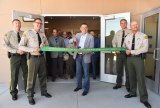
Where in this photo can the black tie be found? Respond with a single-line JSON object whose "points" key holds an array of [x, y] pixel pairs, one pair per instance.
{"points": [[133, 42], [56, 39], [40, 41], [18, 36], [123, 36]]}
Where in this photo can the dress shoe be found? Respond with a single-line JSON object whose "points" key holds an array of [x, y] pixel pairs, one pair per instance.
{"points": [[53, 79], [46, 95], [147, 104], [14, 97], [71, 77], [116, 87], [84, 93], [31, 100], [77, 89], [129, 96]]}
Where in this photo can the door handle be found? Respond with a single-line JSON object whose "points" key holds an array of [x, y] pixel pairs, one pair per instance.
{"points": [[155, 54]]}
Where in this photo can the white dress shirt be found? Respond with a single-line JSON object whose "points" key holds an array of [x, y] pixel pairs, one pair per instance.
{"points": [[82, 41]]}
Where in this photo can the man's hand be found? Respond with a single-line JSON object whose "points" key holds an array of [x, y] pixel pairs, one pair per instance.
{"points": [[36, 50], [42, 45], [69, 46], [20, 52], [118, 52], [128, 52]]}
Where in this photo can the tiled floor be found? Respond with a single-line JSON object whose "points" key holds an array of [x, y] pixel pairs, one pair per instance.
{"points": [[101, 95]]}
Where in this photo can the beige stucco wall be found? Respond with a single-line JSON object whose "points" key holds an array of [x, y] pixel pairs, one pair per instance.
{"points": [[136, 7]]}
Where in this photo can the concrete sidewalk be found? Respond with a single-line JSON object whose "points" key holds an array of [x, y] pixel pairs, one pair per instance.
{"points": [[101, 95]]}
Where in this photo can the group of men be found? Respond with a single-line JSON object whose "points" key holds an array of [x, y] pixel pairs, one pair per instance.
{"points": [[19, 44], [132, 59]]}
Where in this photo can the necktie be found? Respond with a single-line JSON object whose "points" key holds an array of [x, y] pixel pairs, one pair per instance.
{"points": [[133, 42], [123, 36], [56, 39], [40, 41], [18, 36]]}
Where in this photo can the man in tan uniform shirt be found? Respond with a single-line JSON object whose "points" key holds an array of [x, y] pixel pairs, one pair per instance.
{"points": [[136, 44], [31, 42], [17, 57]]}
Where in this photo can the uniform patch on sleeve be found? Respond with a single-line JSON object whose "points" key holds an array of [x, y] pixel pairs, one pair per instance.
{"points": [[25, 34], [145, 37]]}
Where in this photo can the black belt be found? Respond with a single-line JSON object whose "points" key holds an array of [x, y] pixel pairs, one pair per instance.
{"points": [[140, 55], [37, 56], [122, 52], [15, 54], [80, 54]]}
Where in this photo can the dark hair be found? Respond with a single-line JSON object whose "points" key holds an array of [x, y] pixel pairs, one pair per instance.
{"points": [[37, 19], [84, 24], [123, 20], [69, 33], [15, 20]]}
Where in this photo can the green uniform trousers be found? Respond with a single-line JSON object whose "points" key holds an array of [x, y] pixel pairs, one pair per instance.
{"points": [[17, 61], [36, 66], [70, 64], [121, 63], [136, 76]]}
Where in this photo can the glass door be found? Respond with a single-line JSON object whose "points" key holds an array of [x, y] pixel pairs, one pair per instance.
{"points": [[110, 24], [150, 26]]}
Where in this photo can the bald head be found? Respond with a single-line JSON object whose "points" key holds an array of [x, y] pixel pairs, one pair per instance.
{"points": [[134, 26]]}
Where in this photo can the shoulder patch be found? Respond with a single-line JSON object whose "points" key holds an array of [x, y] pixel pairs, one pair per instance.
{"points": [[8, 34], [25, 33], [145, 37]]}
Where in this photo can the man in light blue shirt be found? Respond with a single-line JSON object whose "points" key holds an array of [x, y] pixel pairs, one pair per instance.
{"points": [[83, 59]]}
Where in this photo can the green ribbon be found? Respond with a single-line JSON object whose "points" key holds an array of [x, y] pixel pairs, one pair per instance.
{"points": [[57, 49]]}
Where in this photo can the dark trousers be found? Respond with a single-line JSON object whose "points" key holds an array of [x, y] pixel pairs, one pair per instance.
{"points": [[17, 61], [70, 64], [37, 66], [121, 63], [136, 76], [57, 67], [95, 65]]}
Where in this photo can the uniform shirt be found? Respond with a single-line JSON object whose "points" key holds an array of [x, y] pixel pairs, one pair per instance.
{"points": [[117, 39], [141, 43], [82, 40], [10, 41], [29, 41]]}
